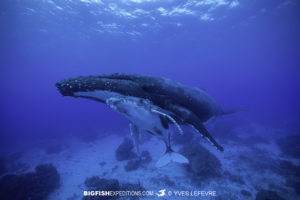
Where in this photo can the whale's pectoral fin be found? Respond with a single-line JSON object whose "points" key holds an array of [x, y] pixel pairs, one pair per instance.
{"points": [[170, 118], [190, 118], [134, 130], [204, 132], [181, 111]]}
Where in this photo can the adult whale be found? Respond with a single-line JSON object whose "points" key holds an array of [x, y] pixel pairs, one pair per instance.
{"points": [[187, 105]]}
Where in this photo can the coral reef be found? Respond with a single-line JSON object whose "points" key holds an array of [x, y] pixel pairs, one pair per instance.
{"points": [[125, 150], [290, 171], [203, 164], [290, 145], [234, 178], [35, 185], [13, 164], [145, 157], [246, 193], [115, 168], [141, 161], [258, 160], [132, 165], [261, 162], [268, 195], [287, 169], [294, 182], [163, 181]]}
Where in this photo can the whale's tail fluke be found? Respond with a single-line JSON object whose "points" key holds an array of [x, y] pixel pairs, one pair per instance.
{"points": [[171, 156]]}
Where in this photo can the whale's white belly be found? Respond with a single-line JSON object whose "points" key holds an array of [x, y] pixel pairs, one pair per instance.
{"points": [[145, 119]]}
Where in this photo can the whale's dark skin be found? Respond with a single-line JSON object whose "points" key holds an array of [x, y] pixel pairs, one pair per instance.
{"points": [[187, 105]]}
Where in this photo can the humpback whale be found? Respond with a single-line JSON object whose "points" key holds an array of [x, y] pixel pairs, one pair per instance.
{"points": [[143, 115], [186, 105]]}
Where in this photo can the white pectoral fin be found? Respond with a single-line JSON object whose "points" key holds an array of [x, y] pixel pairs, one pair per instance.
{"points": [[163, 161], [171, 157], [169, 117], [134, 130], [176, 157]]}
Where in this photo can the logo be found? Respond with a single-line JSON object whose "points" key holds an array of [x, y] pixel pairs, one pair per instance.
{"points": [[161, 193]]}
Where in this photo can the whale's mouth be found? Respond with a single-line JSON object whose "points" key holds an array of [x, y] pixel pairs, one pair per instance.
{"points": [[64, 88], [111, 102]]}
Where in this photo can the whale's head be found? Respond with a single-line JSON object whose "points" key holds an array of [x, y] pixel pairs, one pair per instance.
{"points": [[94, 87], [70, 87], [116, 103], [98, 88]]}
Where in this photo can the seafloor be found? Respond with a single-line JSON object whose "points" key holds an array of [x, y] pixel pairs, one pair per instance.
{"points": [[258, 163]]}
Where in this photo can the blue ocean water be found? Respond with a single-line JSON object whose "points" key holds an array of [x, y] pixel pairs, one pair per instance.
{"points": [[243, 53]]}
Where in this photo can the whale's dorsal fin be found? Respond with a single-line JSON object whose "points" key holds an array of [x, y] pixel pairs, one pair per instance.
{"points": [[170, 118]]}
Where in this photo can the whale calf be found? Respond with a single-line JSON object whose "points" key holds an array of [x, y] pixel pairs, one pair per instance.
{"points": [[186, 105], [143, 115]]}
